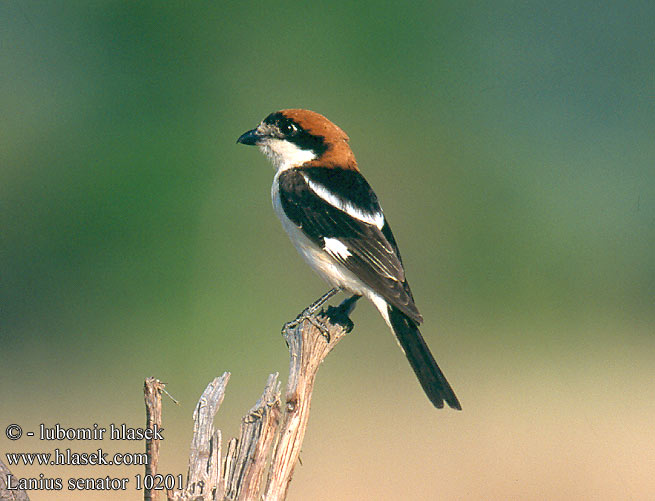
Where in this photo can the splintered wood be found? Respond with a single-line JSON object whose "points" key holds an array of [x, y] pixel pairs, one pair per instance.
{"points": [[259, 464]]}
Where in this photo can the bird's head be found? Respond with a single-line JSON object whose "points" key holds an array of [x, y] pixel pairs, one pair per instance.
{"points": [[294, 138]]}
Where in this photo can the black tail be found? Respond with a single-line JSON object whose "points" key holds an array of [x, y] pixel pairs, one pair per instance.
{"points": [[427, 371]]}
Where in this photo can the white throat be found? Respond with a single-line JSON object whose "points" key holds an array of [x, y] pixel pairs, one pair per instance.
{"points": [[285, 154]]}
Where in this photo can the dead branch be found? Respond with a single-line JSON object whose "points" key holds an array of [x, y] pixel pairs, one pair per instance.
{"points": [[259, 464], [152, 389], [9, 492]]}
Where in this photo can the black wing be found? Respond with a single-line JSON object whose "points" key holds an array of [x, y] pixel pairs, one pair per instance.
{"points": [[374, 256]]}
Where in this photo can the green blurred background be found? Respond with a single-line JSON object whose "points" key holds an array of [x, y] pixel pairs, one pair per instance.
{"points": [[512, 147]]}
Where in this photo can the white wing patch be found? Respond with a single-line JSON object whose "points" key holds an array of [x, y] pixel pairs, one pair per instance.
{"points": [[374, 218], [336, 248]]}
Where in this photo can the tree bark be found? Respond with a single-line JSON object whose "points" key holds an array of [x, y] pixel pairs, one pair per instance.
{"points": [[259, 464], [13, 494]]}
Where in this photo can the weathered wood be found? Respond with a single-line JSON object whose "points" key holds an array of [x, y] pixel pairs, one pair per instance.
{"points": [[13, 494], [309, 341], [152, 389], [260, 463], [203, 477], [251, 453]]}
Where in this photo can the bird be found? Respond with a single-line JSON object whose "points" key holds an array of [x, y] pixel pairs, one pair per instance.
{"points": [[335, 221]]}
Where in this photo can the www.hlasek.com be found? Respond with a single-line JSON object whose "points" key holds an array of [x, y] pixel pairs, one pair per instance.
{"points": [[68, 457]]}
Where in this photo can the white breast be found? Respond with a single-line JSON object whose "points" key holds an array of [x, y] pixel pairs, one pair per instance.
{"points": [[321, 261]]}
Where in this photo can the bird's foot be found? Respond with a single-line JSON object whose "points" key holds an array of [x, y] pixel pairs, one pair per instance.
{"points": [[312, 319], [341, 313], [309, 313]]}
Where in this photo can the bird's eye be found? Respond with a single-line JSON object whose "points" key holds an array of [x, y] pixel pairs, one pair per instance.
{"points": [[288, 128]]}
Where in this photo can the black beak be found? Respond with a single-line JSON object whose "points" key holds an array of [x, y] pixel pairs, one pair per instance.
{"points": [[250, 138]]}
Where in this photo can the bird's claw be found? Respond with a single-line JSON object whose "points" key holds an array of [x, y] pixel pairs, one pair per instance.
{"points": [[340, 313]]}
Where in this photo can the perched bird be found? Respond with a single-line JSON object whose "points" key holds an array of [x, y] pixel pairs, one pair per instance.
{"points": [[335, 221]]}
